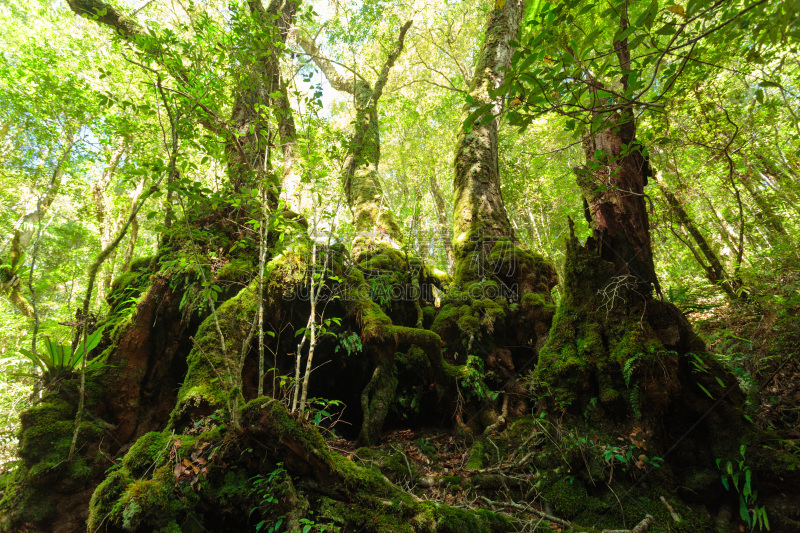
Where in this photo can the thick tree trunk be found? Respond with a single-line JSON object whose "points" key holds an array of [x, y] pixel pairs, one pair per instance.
{"points": [[479, 214], [477, 322], [612, 182]]}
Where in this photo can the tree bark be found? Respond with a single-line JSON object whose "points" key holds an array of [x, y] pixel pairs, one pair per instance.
{"points": [[479, 214], [373, 220], [612, 182], [714, 270], [444, 226]]}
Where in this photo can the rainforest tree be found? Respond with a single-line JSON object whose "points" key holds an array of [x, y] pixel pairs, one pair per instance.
{"points": [[327, 287]]}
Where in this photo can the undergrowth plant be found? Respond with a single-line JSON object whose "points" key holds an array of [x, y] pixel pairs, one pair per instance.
{"points": [[738, 474], [57, 361]]}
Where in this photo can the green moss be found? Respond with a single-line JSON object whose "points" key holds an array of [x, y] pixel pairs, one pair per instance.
{"points": [[365, 517], [476, 455], [130, 284], [469, 324], [207, 362], [520, 430], [567, 497], [359, 479], [446, 323], [281, 424], [22, 503], [367, 454], [397, 467], [235, 488], [46, 438], [428, 316], [238, 268], [147, 452], [105, 496], [532, 300]]}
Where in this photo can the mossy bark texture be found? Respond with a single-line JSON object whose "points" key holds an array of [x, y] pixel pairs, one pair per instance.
{"points": [[479, 212], [372, 217]]}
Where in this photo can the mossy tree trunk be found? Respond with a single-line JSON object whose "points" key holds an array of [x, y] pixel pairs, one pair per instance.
{"points": [[378, 239], [372, 217], [258, 77], [492, 339], [610, 332], [613, 344], [479, 214]]}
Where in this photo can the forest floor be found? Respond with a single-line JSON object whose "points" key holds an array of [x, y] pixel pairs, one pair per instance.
{"points": [[434, 465]]}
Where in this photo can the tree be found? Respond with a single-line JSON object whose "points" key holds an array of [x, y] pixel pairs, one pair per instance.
{"points": [[594, 404], [258, 83], [372, 217]]}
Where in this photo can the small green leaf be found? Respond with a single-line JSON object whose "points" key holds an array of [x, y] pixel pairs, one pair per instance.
{"points": [[706, 391]]}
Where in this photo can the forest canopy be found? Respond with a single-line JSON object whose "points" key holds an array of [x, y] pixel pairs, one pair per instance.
{"points": [[399, 266]]}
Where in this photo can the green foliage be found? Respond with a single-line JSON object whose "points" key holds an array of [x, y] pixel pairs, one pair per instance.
{"points": [[268, 490], [60, 360], [321, 410], [351, 342], [472, 380], [738, 475]]}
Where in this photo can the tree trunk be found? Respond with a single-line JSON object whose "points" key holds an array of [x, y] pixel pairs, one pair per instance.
{"points": [[444, 234], [714, 270], [372, 216], [766, 216], [107, 222], [722, 224], [613, 344], [24, 230], [477, 322], [247, 142], [479, 214]]}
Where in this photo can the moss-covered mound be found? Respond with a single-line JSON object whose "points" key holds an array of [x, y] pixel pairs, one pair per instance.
{"points": [[276, 471]]}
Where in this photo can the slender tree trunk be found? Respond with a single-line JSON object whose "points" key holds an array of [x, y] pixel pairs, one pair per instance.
{"points": [[766, 216], [443, 228], [372, 217], [10, 282], [715, 271], [106, 221], [722, 225], [129, 250]]}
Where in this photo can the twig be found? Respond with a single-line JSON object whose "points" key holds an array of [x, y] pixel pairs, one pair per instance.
{"points": [[541, 514], [675, 516], [641, 527]]}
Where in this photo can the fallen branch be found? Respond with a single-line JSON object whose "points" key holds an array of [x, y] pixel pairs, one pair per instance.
{"points": [[675, 516], [641, 527], [541, 514]]}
